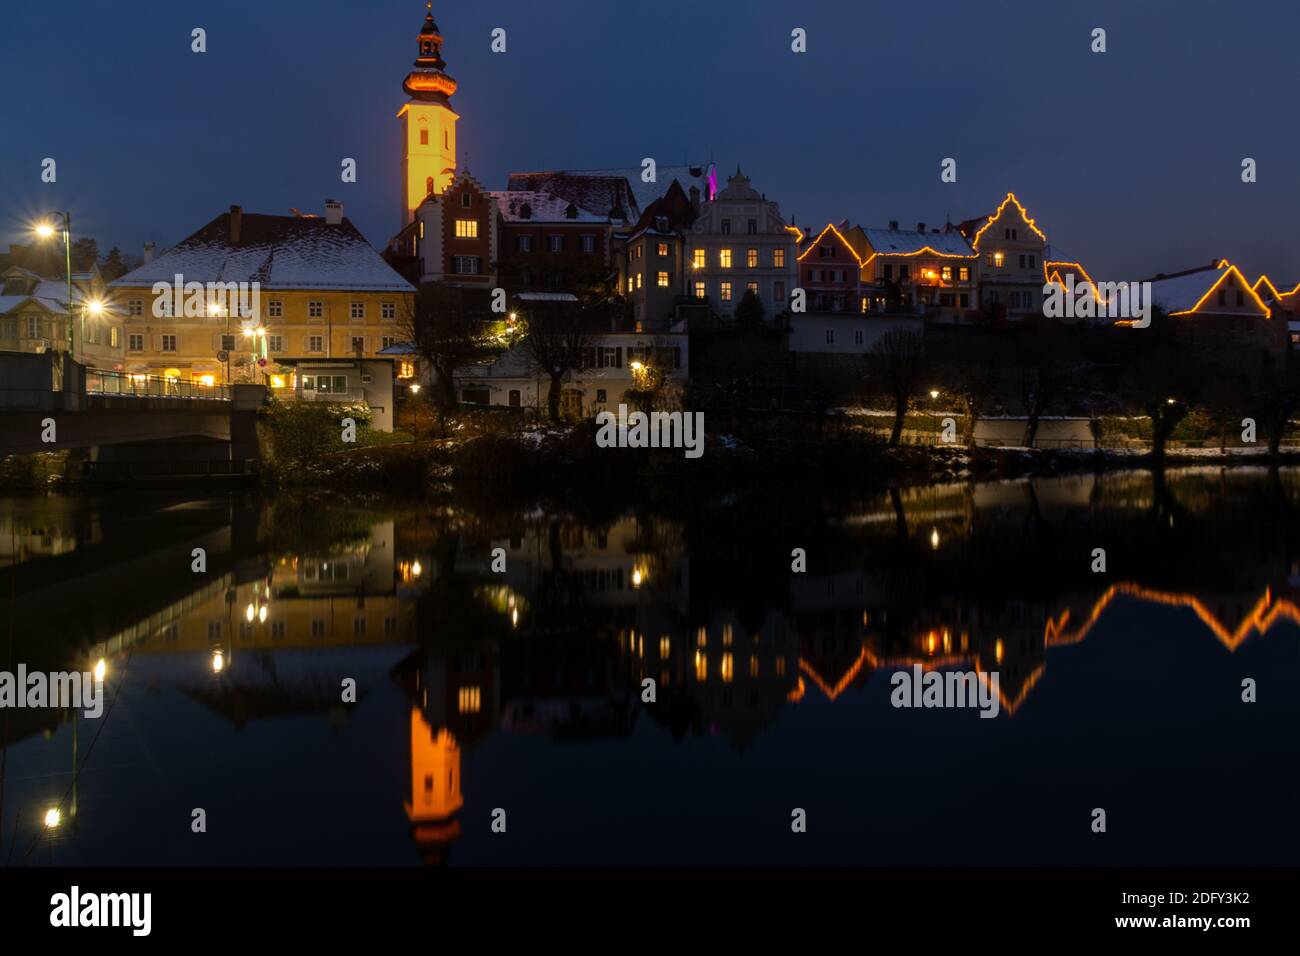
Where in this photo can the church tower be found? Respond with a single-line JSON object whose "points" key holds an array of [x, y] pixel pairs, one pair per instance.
{"points": [[428, 123]]}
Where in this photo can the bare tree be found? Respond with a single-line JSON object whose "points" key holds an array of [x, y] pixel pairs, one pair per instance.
{"points": [[559, 338], [1046, 361], [897, 365], [451, 328]]}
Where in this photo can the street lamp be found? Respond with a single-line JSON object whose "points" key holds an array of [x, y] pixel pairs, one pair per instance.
{"points": [[46, 230]]}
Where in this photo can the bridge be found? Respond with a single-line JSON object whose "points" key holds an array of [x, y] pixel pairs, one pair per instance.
{"points": [[48, 402]]}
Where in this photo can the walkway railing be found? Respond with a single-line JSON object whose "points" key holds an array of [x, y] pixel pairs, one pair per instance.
{"points": [[104, 382]]}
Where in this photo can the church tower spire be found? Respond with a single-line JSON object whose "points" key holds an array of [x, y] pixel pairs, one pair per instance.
{"points": [[428, 122]]}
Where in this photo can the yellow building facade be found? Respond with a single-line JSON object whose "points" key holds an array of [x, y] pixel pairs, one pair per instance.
{"points": [[428, 124]]}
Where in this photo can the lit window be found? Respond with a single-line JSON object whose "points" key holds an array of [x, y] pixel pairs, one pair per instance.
{"points": [[964, 274], [751, 258], [663, 280], [699, 290], [697, 258], [469, 700], [751, 287], [662, 249], [946, 273], [466, 228], [778, 258], [998, 259], [724, 292], [724, 258]]}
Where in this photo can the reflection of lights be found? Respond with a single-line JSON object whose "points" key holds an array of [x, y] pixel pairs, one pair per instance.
{"points": [[250, 612], [218, 662], [934, 393], [52, 817], [416, 569], [728, 668], [514, 617], [934, 538], [665, 646], [701, 666], [261, 614], [929, 644], [101, 668], [637, 577], [997, 651]]}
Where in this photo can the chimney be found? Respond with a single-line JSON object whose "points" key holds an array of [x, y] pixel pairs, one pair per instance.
{"points": [[695, 198], [333, 212], [236, 223], [920, 227], [148, 253], [893, 225]]}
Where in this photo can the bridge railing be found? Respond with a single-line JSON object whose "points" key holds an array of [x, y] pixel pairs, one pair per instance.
{"points": [[105, 382]]}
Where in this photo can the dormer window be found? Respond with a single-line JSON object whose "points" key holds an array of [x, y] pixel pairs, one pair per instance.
{"points": [[661, 223]]}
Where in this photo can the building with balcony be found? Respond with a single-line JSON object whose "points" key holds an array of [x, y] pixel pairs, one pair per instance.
{"points": [[930, 273]]}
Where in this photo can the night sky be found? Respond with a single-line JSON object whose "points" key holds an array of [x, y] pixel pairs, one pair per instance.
{"points": [[1130, 160]]}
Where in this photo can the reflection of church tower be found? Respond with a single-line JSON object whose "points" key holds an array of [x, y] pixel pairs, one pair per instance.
{"points": [[428, 123], [435, 789]]}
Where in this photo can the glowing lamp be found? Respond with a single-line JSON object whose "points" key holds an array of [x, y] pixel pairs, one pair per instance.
{"points": [[95, 307], [218, 662], [44, 231], [101, 668], [52, 817]]}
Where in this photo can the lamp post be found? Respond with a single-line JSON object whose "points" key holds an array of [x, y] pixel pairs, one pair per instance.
{"points": [[45, 230]]}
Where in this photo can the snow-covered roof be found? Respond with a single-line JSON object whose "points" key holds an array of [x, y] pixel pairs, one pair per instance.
{"points": [[1180, 293], [600, 190], [398, 348], [547, 297], [904, 241], [542, 207], [280, 252]]}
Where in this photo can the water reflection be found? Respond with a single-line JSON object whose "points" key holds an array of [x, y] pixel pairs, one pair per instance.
{"points": [[465, 631]]}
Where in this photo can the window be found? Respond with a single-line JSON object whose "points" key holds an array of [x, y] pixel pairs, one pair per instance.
{"points": [[902, 271], [630, 283], [467, 228], [169, 343], [33, 327], [515, 398], [555, 243], [778, 291], [600, 395], [387, 341], [662, 249], [889, 270], [329, 384], [523, 243], [830, 336], [751, 258], [607, 357], [826, 252], [778, 258], [638, 280], [275, 343], [964, 299], [424, 137], [275, 309], [964, 273], [663, 279], [358, 343], [724, 292], [135, 307], [726, 227], [1031, 261], [751, 227], [857, 336], [315, 343], [315, 309], [467, 265], [388, 310], [358, 310], [588, 243], [998, 259], [751, 287], [945, 273], [135, 342], [697, 258], [114, 337], [700, 291], [466, 200], [724, 258]]}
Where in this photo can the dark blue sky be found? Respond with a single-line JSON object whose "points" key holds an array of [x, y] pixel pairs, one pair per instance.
{"points": [[1130, 160]]}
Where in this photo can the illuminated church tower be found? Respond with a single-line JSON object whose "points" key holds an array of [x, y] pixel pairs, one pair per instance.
{"points": [[435, 789], [428, 123]]}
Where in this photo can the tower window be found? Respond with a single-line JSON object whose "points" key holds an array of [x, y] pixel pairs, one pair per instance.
{"points": [[444, 140], [424, 137]]}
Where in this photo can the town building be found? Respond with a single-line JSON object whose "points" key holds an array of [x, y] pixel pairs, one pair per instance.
{"points": [[343, 381], [246, 289], [549, 243], [35, 316], [739, 243], [1011, 250], [931, 273], [830, 272], [651, 260], [457, 232], [1223, 315]]}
